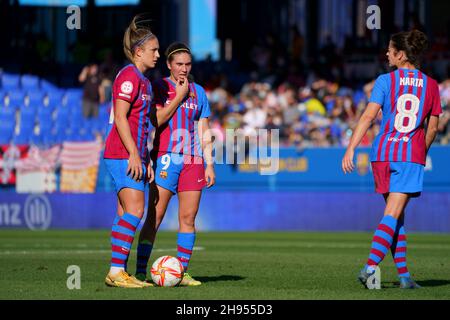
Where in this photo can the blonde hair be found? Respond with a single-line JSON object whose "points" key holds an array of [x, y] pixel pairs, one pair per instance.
{"points": [[135, 36]]}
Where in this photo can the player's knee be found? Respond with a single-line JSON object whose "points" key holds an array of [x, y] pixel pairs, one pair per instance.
{"points": [[188, 219], [136, 211]]}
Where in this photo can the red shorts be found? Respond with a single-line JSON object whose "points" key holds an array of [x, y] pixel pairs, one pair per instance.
{"points": [[179, 173]]}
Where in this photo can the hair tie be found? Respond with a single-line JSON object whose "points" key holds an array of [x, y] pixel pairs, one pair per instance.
{"points": [[176, 50], [141, 42]]}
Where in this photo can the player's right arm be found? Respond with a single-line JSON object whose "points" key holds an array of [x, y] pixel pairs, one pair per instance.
{"points": [[123, 128], [364, 123], [376, 101], [163, 114]]}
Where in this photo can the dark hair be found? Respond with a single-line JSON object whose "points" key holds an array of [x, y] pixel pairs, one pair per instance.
{"points": [[414, 43], [176, 47], [136, 35]]}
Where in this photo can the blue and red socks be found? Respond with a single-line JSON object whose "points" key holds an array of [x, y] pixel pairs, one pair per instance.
{"points": [[382, 240], [122, 237], [398, 250], [144, 250], [185, 244]]}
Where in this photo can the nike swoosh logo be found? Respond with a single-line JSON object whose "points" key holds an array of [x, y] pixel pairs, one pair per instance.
{"points": [[200, 180]]}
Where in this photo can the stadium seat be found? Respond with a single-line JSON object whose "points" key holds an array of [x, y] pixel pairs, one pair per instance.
{"points": [[27, 116], [75, 107], [47, 86], [34, 97], [10, 81], [36, 139], [7, 125], [21, 139], [15, 99], [73, 134], [73, 96], [62, 117], [29, 82], [54, 98]]}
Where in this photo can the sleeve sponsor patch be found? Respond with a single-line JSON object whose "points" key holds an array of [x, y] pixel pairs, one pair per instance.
{"points": [[126, 87], [124, 95]]}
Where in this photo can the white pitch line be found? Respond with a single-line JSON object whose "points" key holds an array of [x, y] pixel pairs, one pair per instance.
{"points": [[65, 251]]}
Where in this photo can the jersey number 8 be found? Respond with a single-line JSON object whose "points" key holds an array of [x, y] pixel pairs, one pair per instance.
{"points": [[403, 113]]}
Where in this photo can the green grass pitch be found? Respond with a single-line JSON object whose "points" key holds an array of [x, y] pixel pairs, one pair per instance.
{"points": [[257, 265]]}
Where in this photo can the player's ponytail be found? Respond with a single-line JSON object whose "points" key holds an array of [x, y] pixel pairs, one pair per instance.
{"points": [[135, 36], [174, 48], [414, 43]]}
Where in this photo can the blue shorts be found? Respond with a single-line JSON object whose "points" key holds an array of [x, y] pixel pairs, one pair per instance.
{"points": [[118, 170], [402, 177], [178, 173]]}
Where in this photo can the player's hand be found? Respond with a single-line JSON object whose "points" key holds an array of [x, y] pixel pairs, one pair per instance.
{"points": [[134, 168], [182, 87], [347, 162], [210, 176], [150, 173]]}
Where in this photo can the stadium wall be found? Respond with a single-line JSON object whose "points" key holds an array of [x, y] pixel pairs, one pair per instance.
{"points": [[231, 211], [309, 193]]}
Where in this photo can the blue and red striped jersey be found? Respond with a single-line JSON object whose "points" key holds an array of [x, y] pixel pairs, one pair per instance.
{"points": [[407, 98], [132, 86], [180, 135]]}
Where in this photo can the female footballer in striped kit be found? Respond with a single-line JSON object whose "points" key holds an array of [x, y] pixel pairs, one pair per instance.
{"points": [[408, 99], [126, 153], [179, 150]]}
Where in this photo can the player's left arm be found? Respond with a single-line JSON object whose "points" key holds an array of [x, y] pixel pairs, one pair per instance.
{"points": [[207, 146], [432, 129], [205, 139], [433, 119]]}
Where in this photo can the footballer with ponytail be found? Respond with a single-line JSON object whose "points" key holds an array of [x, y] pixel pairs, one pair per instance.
{"points": [[410, 104], [126, 155]]}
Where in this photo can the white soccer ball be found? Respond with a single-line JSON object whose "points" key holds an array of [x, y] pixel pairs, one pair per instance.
{"points": [[167, 271]]}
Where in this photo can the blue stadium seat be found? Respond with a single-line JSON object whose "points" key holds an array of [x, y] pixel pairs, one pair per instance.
{"points": [[10, 81], [7, 124], [15, 99], [21, 139], [59, 133], [47, 86], [5, 135], [29, 82], [73, 134], [75, 109], [27, 116], [7, 115], [54, 98], [62, 117], [73, 96], [2, 97], [36, 139], [35, 97]]}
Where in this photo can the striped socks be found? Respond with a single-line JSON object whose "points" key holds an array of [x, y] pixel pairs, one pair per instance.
{"points": [[185, 244], [144, 251], [122, 237], [398, 250], [382, 240]]}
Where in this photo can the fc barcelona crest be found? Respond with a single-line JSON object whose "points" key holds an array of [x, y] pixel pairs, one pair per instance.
{"points": [[163, 174]]}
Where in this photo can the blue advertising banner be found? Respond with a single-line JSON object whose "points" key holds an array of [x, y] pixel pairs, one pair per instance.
{"points": [[317, 169], [230, 211]]}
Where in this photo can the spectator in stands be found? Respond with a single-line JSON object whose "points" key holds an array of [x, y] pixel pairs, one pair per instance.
{"points": [[90, 78]]}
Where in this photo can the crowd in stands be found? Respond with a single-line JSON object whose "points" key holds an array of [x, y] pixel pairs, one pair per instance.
{"points": [[321, 114]]}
